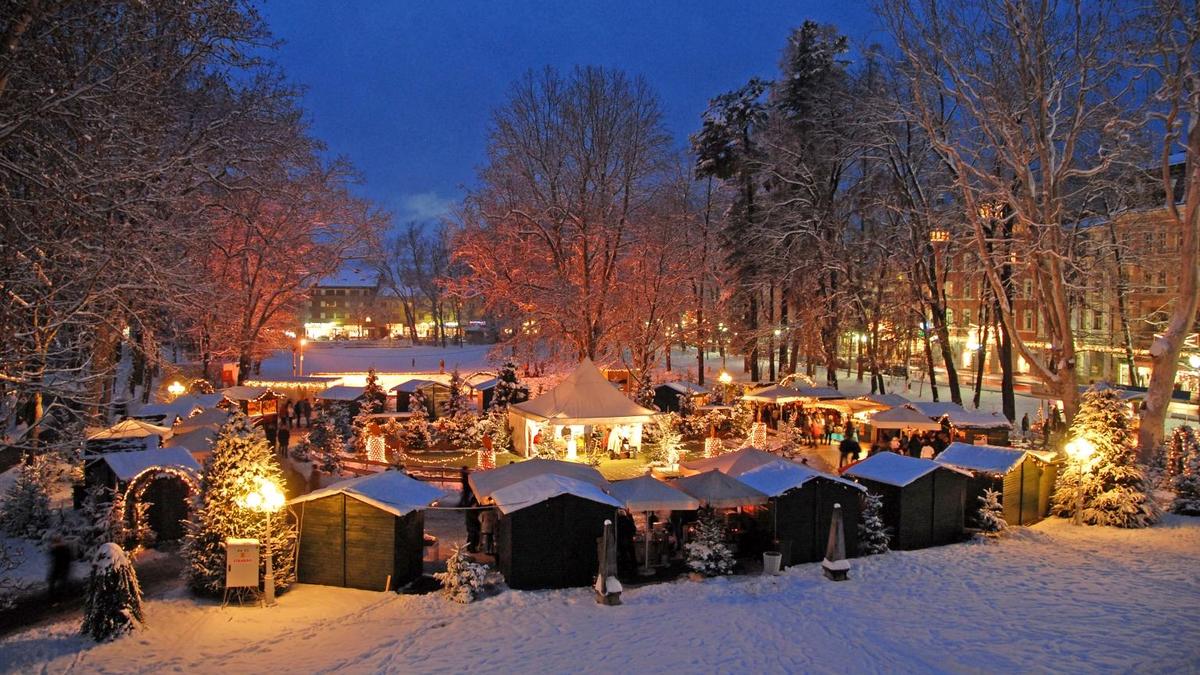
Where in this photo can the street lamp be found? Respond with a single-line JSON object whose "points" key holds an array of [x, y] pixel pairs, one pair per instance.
{"points": [[1194, 362], [175, 389], [264, 497], [1080, 450], [303, 341]]}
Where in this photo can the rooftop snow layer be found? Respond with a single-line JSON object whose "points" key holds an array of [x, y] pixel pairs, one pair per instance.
{"points": [[537, 489], [892, 469], [127, 465], [986, 458], [392, 491]]}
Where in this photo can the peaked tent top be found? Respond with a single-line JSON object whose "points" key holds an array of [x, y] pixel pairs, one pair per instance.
{"points": [[893, 469], [585, 397], [391, 491], [719, 490], [773, 393], [733, 463], [903, 417], [820, 392], [244, 393], [484, 483], [131, 428], [647, 493], [892, 400]]}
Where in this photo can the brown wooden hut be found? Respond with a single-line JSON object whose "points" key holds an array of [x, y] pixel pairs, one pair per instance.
{"points": [[923, 501], [1025, 481]]}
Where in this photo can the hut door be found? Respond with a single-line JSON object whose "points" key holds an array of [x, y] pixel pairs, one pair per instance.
{"points": [[167, 496]]}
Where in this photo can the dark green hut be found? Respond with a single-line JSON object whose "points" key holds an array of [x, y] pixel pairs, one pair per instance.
{"points": [[923, 501]]}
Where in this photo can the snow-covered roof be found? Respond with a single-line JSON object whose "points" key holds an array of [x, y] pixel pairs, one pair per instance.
{"points": [[484, 483], [986, 458], [1121, 392], [243, 393], [196, 439], [960, 416], [485, 384], [537, 489], [718, 490], [893, 469], [820, 392], [647, 493], [584, 397], [777, 477], [732, 463], [353, 276], [685, 387], [848, 405], [903, 417], [212, 418], [127, 465], [341, 392], [890, 400], [131, 428], [409, 386], [181, 408], [391, 491], [774, 393]]}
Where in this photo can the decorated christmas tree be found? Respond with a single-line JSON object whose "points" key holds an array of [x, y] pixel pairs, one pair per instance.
{"points": [[1187, 485], [666, 445], [991, 514], [508, 388], [102, 519], [463, 581], [457, 403], [873, 535], [240, 457], [113, 603], [25, 511], [496, 425], [374, 400], [1111, 486], [547, 444], [707, 553], [1182, 444]]}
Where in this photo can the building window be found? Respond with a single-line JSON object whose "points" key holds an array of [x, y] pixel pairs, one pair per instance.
{"points": [[1162, 279], [949, 317], [1027, 320], [1027, 288], [322, 316], [966, 317], [950, 288], [1097, 320]]}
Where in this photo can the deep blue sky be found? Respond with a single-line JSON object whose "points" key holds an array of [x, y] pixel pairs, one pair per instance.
{"points": [[405, 88]]}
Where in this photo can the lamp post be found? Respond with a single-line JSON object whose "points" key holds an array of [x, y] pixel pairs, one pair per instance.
{"points": [[302, 342], [725, 379], [266, 498], [1080, 450], [175, 389]]}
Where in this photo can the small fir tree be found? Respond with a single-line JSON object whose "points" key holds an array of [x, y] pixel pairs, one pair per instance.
{"points": [[687, 405], [645, 392], [25, 511], [496, 424], [113, 603], [332, 452], [457, 403], [1187, 485], [1113, 488], [667, 444], [374, 400], [464, 580], [417, 405], [102, 519], [508, 388], [873, 535], [548, 445], [240, 457], [707, 553], [991, 514]]}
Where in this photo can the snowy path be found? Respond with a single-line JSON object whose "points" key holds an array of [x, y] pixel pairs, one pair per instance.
{"points": [[1052, 598]]}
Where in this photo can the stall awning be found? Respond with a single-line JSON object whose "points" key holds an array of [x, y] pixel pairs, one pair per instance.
{"points": [[893, 469], [890, 400], [717, 490], [961, 417], [647, 493], [131, 428], [732, 463], [903, 418], [820, 392], [848, 405], [774, 393]]}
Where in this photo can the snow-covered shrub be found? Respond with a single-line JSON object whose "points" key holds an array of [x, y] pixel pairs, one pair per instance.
{"points": [[741, 419], [707, 553], [644, 396], [1182, 444], [25, 511], [102, 519], [1187, 485], [665, 443], [991, 514], [873, 535], [1113, 488], [463, 581], [240, 457], [414, 434], [113, 603]]}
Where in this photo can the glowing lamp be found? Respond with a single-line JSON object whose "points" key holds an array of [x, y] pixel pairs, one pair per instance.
{"points": [[725, 378], [176, 389], [1194, 362], [262, 496], [1080, 449], [939, 236]]}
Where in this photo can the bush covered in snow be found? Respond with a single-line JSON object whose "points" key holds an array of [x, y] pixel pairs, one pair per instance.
{"points": [[991, 514], [102, 519], [463, 581], [25, 511], [664, 443], [706, 552], [1187, 485], [113, 603], [873, 535]]}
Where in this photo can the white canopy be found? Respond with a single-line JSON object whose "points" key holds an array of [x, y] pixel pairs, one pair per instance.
{"points": [[484, 483], [985, 458], [131, 428], [686, 388], [960, 416], [341, 392], [890, 400], [720, 491], [647, 493], [584, 397], [732, 463], [781, 475], [127, 465], [893, 469], [244, 393], [820, 392], [903, 417], [537, 489], [848, 405], [774, 393], [391, 491]]}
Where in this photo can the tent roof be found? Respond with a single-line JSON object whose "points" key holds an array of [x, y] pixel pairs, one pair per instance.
{"points": [[391, 491], [647, 493], [341, 392], [986, 458], [127, 465], [685, 387], [820, 392], [409, 386], [781, 475], [960, 416], [212, 418], [773, 393], [849, 405], [890, 400], [893, 469], [245, 393], [131, 428], [584, 397], [719, 490], [903, 417], [732, 463], [537, 489], [484, 483], [485, 384], [195, 439]]}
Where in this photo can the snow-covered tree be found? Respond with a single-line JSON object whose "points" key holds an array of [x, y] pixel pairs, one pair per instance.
{"points": [[374, 400], [645, 392], [463, 581], [240, 457], [495, 423], [991, 514], [457, 403], [707, 552], [1183, 443], [549, 445], [508, 388], [873, 535], [102, 519], [113, 603], [1187, 485], [1113, 488], [417, 405], [666, 443], [25, 511]]}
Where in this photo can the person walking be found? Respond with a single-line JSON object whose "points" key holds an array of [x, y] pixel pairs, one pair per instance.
{"points": [[59, 572], [1025, 426], [284, 436], [287, 413], [272, 433], [307, 413]]}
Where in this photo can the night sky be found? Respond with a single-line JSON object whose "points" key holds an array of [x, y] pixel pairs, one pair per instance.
{"points": [[405, 88]]}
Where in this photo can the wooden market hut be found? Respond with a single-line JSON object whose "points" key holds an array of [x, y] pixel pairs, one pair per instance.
{"points": [[967, 425], [1024, 480], [341, 394], [482, 392], [923, 501], [547, 530], [801, 508], [668, 394], [164, 478], [366, 532], [436, 395], [260, 404]]}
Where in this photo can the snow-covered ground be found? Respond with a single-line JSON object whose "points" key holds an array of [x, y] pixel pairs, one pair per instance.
{"points": [[1051, 598]]}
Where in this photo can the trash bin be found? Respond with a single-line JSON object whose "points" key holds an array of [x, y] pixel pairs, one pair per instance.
{"points": [[771, 562]]}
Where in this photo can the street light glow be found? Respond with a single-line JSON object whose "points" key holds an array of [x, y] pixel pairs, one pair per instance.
{"points": [[724, 378], [1080, 449]]}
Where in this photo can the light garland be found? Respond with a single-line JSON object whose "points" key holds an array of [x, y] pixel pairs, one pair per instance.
{"points": [[376, 448], [135, 491], [713, 447], [758, 435]]}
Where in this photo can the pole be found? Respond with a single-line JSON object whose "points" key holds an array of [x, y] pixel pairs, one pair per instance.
{"points": [[301, 357], [269, 576], [1078, 519]]}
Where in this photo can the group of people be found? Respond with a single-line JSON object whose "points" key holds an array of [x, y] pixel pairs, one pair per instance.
{"points": [[927, 444], [291, 414], [481, 523]]}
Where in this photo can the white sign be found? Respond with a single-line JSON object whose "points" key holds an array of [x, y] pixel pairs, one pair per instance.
{"points": [[241, 563]]}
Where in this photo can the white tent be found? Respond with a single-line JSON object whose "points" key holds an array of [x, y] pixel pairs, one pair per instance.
{"points": [[777, 477], [647, 493], [718, 490], [127, 465], [820, 392], [131, 428], [732, 463], [890, 400], [903, 417], [537, 489], [391, 491], [484, 483], [774, 393], [584, 399]]}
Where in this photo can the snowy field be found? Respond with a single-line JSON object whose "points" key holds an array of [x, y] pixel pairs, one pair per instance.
{"points": [[1051, 598]]}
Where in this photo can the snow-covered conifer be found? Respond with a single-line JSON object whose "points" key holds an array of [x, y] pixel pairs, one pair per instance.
{"points": [[508, 388], [1187, 485], [25, 511], [417, 405], [991, 514], [549, 445], [1183, 443], [463, 581], [113, 603], [707, 552], [873, 535], [457, 403], [102, 519]]}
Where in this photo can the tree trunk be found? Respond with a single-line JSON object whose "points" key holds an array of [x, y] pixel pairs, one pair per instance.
{"points": [[1122, 309], [933, 390]]}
